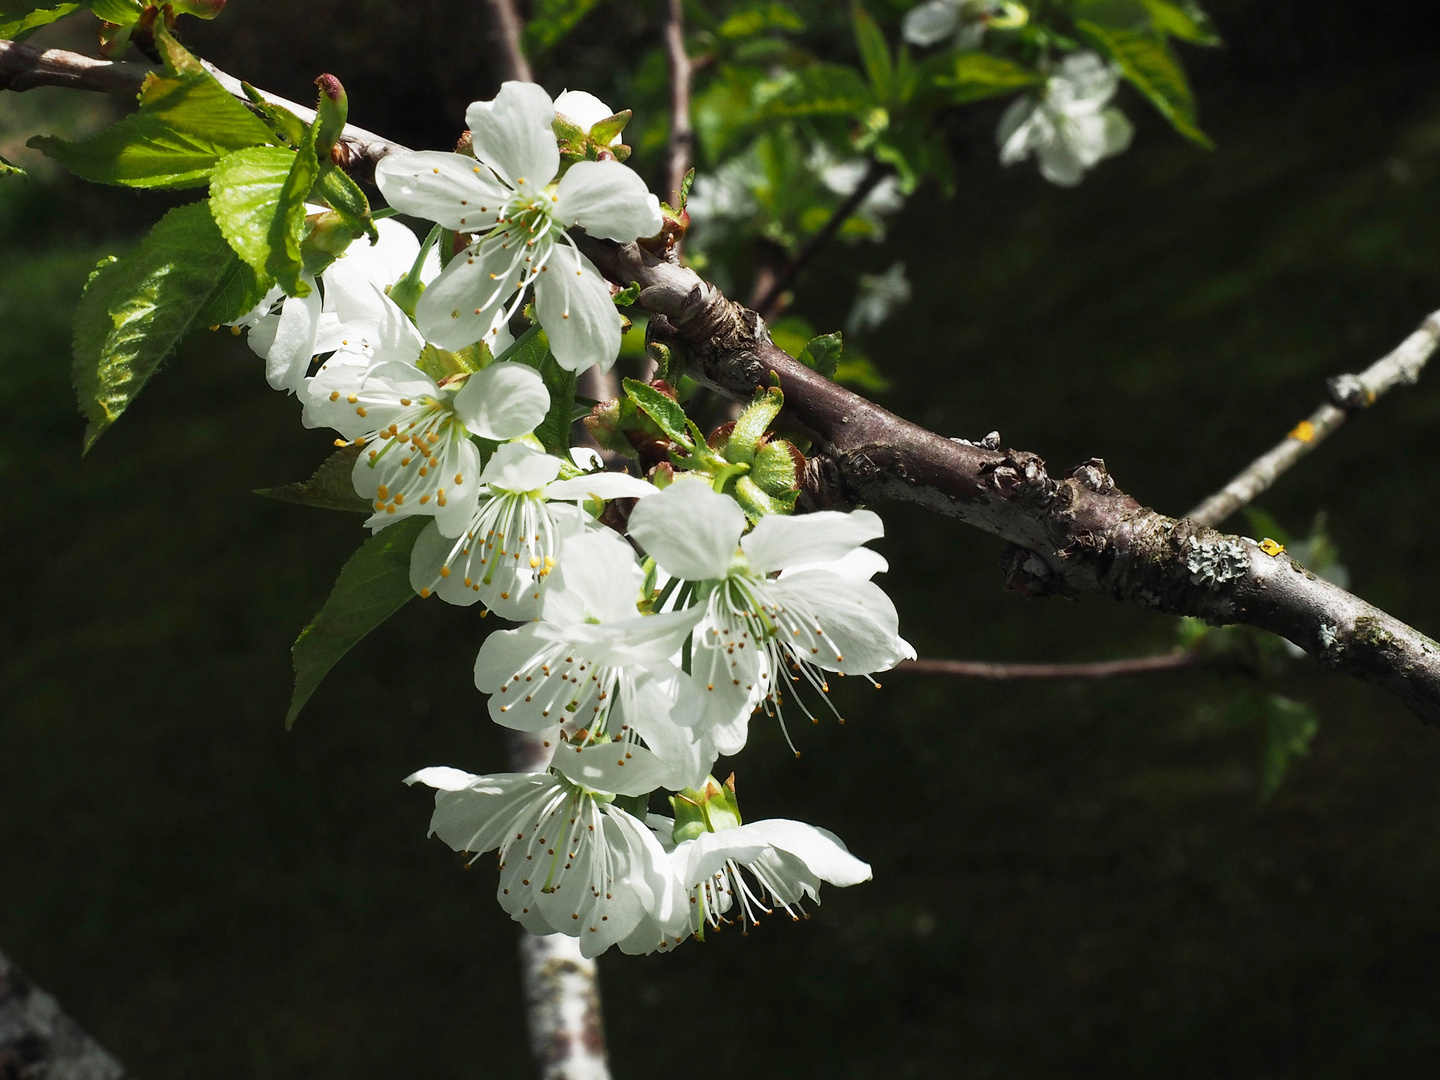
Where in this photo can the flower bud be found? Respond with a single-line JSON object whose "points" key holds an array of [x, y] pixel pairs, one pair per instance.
{"points": [[713, 808]]}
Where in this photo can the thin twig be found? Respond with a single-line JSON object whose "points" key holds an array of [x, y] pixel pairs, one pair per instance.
{"points": [[1084, 672], [505, 27], [1348, 394], [682, 135], [786, 275], [23, 67]]}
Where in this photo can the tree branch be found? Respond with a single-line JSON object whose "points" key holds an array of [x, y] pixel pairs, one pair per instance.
{"points": [[1083, 672], [25, 68], [1348, 394], [37, 1039], [562, 991], [505, 27], [1068, 537], [682, 136], [766, 303]]}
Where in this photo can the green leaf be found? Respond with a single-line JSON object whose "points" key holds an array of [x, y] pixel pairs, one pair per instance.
{"points": [[823, 353], [551, 20], [1182, 20], [257, 196], [758, 18], [972, 76], [19, 20], [123, 12], [861, 373], [287, 229], [373, 585], [7, 169], [665, 411], [874, 52], [818, 90], [1147, 62], [330, 487], [286, 126], [554, 430], [137, 308], [1289, 728], [628, 295], [186, 124]]}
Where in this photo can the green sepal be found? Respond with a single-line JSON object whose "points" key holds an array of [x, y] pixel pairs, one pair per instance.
{"points": [[603, 131], [137, 308], [287, 128], [343, 195], [712, 808], [442, 364], [372, 586], [752, 423], [326, 239], [330, 487], [332, 111], [774, 467], [285, 262], [758, 504], [664, 410]]}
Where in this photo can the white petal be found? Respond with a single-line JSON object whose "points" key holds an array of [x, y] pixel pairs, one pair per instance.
{"points": [[481, 815], [861, 628], [1118, 131], [608, 200], [1060, 164], [689, 530], [452, 190], [519, 467], [437, 566], [442, 777], [862, 564], [514, 135], [289, 356], [648, 704], [586, 458], [620, 768], [373, 324], [502, 401], [931, 22], [460, 307], [778, 541], [822, 852], [584, 110], [572, 302], [603, 486], [596, 579], [1017, 130]]}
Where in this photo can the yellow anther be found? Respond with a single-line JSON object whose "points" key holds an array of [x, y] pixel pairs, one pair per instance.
{"points": [[1304, 432], [1270, 547], [352, 399], [360, 410], [334, 395], [444, 571], [424, 592]]}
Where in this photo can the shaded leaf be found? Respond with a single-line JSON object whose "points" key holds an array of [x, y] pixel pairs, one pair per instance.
{"points": [[1147, 62], [823, 353], [372, 586], [1182, 20], [554, 430], [874, 52], [330, 487], [137, 308], [551, 20], [664, 410], [19, 20], [818, 90], [1290, 726], [972, 76]]}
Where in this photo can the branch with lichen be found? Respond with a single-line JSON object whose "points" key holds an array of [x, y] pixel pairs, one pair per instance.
{"points": [[1073, 536]]}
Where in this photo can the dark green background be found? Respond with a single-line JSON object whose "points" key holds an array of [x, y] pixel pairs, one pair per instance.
{"points": [[1069, 880]]}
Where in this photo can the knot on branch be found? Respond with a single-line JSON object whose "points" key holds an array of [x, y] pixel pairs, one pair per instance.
{"points": [[1020, 477], [1027, 573], [1350, 393]]}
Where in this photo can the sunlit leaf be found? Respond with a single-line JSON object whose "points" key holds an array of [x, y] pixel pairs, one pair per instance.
{"points": [[1147, 62]]}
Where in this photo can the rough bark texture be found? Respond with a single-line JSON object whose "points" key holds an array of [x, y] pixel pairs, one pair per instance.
{"points": [[39, 1042], [1071, 536]]}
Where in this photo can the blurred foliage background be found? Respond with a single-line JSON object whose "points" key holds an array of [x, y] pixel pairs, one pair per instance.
{"points": [[1070, 880]]}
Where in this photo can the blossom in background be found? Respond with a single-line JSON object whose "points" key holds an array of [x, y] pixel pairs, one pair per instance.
{"points": [[513, 539], [593, 662], [879, 296], [1066, 126], [965, 21], [584, 110], [506, 195], [571, 860], [418, 457], [822, 613], [752, 866], [288, 332]]}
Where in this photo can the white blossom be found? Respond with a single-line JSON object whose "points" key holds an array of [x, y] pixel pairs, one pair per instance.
{"points": [[878, 297], [822, 613], [418, 456], [773, 862], [571, 860], [514, 536], [1066, 126], [964, 21], [508, 197], [593, 662]]}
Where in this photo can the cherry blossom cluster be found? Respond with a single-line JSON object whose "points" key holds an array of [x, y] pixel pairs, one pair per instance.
{"points": [[640, 657]]}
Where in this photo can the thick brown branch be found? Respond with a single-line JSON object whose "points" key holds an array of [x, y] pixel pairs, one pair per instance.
{"points": [[505, 27], [786, 275], [1072, 536], [1083, 672], [25, 68], [682, 136], [1348, 394]]}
